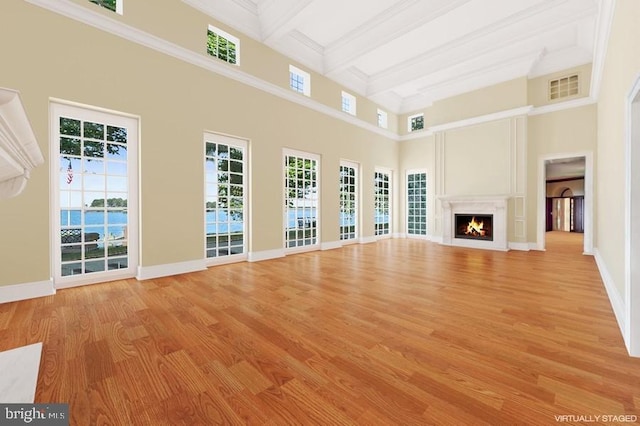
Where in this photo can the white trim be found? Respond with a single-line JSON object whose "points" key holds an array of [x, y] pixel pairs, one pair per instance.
{"points": [[259, 256], [435, 238], [15, 292], [398, 235], [500, 115], [225, 260], [615, 298], [331, 245], [588, 198], [562, 106], [519, 246], [603, 30], [367, 240], [159, 271]]}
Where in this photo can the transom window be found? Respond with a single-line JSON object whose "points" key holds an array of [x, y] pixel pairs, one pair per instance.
{"points": [[301, 199], [348, 200], [415, 122], [223, 45], [112, 5], [348, 103], [383, 120], [299, 81], [225, 204], [417, 203], [382, 200], [95, 204]]}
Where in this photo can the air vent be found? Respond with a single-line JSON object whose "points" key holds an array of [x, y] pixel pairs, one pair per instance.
{"points": [[563, 87]]}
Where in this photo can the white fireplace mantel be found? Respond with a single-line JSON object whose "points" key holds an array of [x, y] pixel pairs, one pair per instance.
{"points": [[495, 205]]}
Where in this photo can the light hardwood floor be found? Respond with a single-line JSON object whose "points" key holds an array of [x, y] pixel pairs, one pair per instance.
{"points": [[396, 332]]}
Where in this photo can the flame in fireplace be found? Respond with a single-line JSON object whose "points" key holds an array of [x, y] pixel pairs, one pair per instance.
{"points": [[475, 229]]}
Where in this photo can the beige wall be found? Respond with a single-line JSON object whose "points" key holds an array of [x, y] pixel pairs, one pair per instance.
{"points": [[622, 67], [538, 88], [177, 102], [500, 97]]}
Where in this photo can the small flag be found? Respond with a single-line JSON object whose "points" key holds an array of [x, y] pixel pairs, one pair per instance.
{"points": [[69, 174]]}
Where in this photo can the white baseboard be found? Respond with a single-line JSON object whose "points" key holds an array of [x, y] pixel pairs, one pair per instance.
{"points": [[331, 245], [158, 271], [399, 235], [436, 239], [519, 246], [368, 240], [615, 298], [15, 292], [259, 256]]}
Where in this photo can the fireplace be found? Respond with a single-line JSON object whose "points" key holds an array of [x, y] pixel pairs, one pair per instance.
{"points": [[474, 226], [475, 221]]}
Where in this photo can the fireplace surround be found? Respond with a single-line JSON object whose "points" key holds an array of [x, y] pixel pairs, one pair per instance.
{"points": [[492, 210]]}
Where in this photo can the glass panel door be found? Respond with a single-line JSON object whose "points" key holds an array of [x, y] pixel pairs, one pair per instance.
{"points": [[301, 199], [348, 201], [382, 194], [417, 203], [96, 222], [225, 204]]}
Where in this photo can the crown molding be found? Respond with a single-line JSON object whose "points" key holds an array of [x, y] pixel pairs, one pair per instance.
{"points": [[561, 106], [115, 27], [603, 30]]}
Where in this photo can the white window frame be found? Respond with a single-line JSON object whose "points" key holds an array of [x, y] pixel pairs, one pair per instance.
{"points": [[407, 203], [119, 6], [59, 108], [229, 37], [286, 152], [383, 119], [388, 172], [306, 80], [230, 141], [348, 103], [356, 167], [410, 119]]}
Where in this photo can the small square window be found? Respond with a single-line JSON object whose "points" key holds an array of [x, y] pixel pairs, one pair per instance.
{"points": [[223, 45], [299, 81], [383, 120], [348, 103], [415, 122], [112, 5]]}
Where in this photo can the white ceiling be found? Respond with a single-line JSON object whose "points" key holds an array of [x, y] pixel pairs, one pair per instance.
{"points": [[406, 54], [565, 168]]}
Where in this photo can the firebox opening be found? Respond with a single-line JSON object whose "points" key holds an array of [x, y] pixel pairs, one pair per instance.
{"points": [[474, 226]]}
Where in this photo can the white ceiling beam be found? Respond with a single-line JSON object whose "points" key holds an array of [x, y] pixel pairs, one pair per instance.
{"points": [[391, 23], [277, 18], [448, 54]]}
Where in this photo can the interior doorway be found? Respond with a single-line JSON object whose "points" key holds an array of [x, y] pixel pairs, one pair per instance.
{"points": [[565, 197]]}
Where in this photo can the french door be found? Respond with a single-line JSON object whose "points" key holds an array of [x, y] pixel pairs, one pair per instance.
{"points": [[94, 195]]}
